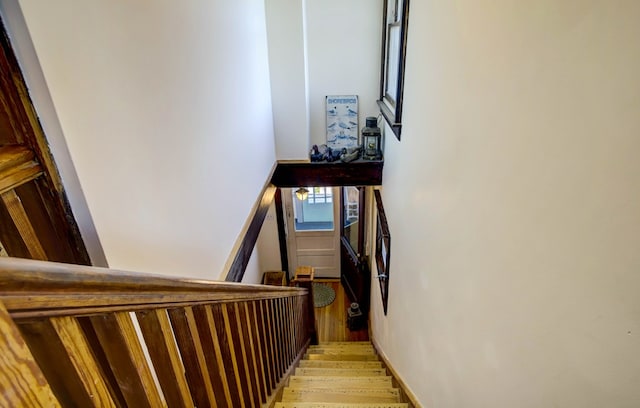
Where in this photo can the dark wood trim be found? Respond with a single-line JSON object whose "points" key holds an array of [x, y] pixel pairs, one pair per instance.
{"points": [[361, 210], [396, 127], [394, 117], [29, 133], [282, 235], [241, 260], [356, 173], [383, 237], [347, 251]]}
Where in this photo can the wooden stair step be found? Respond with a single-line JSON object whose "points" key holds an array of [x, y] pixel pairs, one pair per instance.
{"points": [[340, 395], [342, 357], [348, 343], [339, 382], [341, 405], [341, 372], [349, 350], [340, 364], [343, 345]]}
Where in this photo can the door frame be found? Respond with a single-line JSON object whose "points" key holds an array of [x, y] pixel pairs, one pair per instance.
{"points": [[292, 234], [356, 273]]}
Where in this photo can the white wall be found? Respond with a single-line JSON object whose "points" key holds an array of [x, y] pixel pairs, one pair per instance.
{"points": [[514, 206], [319, 48], [287, 64], [166, 111], [343, 48]]}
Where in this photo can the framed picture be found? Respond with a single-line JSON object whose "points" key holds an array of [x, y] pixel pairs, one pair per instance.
{"points": [[394, 47], [342, 121], [383, 249]]}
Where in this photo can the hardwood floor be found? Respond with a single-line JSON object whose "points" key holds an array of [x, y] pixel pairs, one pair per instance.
{"points": [[332, 319]]}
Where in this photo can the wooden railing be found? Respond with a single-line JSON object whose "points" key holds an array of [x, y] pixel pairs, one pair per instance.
{"points": [[81, 336]]}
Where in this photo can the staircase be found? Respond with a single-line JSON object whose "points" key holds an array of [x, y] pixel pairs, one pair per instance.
{"points": [[341, 374]]}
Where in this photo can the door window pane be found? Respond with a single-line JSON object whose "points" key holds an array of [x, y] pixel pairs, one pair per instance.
{"points": [[351, 216], [316, 212]]}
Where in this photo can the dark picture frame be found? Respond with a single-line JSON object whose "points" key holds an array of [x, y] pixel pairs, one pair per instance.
{"points": [[383, 250], [395, 20]]}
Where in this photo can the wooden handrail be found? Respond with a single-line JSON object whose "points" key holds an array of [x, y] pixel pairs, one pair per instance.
{"points": [[102, 337], [35, 288]]}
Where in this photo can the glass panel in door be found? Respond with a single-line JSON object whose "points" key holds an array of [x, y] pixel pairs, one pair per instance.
{"points": [[315, 213]]}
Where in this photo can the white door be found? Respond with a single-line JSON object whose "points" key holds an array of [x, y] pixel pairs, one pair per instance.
{"points": [[313, 233]]}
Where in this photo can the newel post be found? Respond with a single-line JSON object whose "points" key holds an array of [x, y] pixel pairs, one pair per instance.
{"points": [[304, 279]]}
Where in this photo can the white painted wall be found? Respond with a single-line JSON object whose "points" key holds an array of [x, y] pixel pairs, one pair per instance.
{"points": [[287, 64], [166, 112], [319, 48], [514, 206], [343, 49]]}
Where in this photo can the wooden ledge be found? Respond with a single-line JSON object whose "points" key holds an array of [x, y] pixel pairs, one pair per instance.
{"points": [[356, 173]]}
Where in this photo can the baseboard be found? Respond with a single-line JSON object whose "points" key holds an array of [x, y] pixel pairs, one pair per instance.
{"points": [[407, 394]]}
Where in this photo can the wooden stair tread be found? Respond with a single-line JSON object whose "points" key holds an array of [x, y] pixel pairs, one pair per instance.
{"points": [[340, 364], [349, 350], [344, 343], [340, 372], [338, 395], [296, 381], [342, 357], [341, 405], [341, 375]]}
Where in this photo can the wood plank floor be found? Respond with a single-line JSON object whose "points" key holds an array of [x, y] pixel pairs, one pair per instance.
{"points": [[332, 319]]}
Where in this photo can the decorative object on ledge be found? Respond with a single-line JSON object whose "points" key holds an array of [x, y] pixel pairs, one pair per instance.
{"points": [[342, 121], [371, 136], [302, 193], [383, 250], [394, 49], [323, 153], [349, 155]]}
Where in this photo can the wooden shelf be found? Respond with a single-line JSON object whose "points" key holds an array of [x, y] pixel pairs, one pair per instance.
{"points": [[322, 174]]}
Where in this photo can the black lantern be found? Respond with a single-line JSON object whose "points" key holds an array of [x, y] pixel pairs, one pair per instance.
{"points": [[355, 317], [371, 140]]}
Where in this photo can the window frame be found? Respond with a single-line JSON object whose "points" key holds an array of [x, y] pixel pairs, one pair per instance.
{"points": [[390, 107]]}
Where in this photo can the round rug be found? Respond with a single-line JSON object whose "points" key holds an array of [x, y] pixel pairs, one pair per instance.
{"points": [[323, 295]]}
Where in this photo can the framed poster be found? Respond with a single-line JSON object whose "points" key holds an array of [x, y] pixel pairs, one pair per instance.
{"points": [[342, 121]]}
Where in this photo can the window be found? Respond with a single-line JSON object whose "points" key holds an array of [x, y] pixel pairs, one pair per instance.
{"points": [[314, 213], [320, 195], [394, 42]]}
